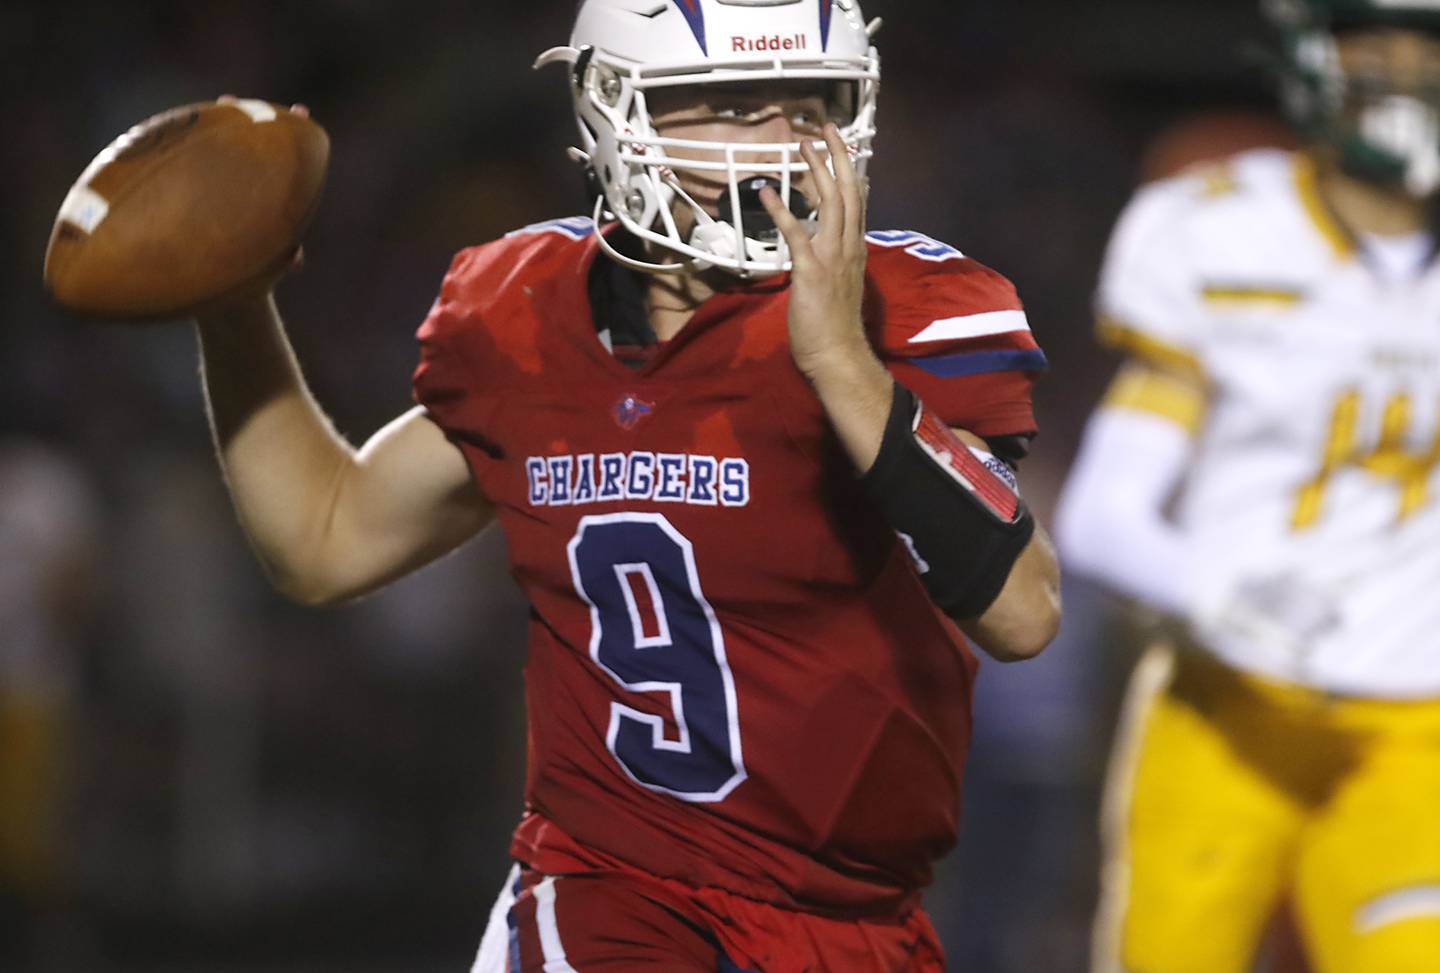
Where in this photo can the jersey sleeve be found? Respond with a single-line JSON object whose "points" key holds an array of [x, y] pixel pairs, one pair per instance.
{"points": [[444, 381], [955, 333], [480, 333], [1148, 304]]}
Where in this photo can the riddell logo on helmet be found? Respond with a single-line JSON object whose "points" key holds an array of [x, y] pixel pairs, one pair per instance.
{"points": [[774, 42]]}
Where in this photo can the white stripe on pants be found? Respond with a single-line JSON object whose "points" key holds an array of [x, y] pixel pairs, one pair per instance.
{"points": [[495, 946]]}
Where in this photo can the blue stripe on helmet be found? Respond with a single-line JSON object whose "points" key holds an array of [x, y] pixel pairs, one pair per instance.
{"points": [[695, 17]]}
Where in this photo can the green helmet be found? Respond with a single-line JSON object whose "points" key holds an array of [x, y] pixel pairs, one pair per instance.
{"points": [[1300, 15], [1385, 136]]}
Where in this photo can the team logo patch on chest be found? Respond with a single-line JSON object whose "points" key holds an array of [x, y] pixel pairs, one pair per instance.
{"points": [[629, 410]]}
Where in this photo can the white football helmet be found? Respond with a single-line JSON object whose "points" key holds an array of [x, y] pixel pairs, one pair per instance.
{"points": [[623, 49]]}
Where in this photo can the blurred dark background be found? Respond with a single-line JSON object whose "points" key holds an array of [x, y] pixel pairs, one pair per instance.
{"points": [[195, 775]]}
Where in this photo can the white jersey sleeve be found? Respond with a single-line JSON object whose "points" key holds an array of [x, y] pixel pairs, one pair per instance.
{"points": [[1148, 303], [1111, 523]]}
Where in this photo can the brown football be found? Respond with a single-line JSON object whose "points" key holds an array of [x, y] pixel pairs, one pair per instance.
{"points": [[187, 209]]}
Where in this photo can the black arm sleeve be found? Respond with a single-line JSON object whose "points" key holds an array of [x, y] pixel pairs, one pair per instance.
{"points": [[964, 523]]}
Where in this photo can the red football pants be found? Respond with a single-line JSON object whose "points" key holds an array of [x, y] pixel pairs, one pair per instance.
{"points": [[609, 923]]}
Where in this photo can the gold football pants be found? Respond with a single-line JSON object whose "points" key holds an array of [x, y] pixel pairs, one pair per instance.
{"points": [[1228, 793]]}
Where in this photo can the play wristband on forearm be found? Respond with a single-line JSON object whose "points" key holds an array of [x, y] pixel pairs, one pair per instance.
{"points": [[962, 519]]}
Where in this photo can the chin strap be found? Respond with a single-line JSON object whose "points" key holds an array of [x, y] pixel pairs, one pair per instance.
{"points": [[721, 240], [557, 55], [760, 242], [709, 236], [609, 249]]}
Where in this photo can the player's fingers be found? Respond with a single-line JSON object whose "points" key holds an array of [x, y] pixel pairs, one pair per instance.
{"points": [[225, 99], [299, 109], [832, 204], [862, 219], [848, 183], [795, 236]]}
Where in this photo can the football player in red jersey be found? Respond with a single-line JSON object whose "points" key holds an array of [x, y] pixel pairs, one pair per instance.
{"points": [[755, 470]]}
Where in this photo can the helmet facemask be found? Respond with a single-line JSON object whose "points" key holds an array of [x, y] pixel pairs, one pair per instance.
{"points": [[1382, 132], [642, 174]]}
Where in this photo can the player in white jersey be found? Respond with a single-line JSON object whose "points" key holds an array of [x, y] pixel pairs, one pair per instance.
{"points": [[1263, 472]]}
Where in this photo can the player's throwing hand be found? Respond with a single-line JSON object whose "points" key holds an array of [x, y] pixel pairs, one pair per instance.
{"points": [[827, 281]]}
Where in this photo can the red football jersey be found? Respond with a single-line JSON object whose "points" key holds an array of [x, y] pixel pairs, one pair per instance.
{"points": [[735, 676]]}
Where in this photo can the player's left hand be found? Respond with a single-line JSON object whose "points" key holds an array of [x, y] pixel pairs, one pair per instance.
{"points": [[827, 279]]}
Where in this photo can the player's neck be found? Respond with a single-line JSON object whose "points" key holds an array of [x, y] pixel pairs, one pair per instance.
{"points": [[1364, 207], [671, 300]]}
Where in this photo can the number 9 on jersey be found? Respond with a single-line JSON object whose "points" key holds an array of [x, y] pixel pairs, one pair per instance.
{"points": [[653, 631]]}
